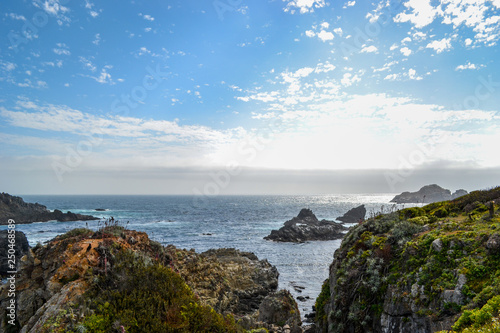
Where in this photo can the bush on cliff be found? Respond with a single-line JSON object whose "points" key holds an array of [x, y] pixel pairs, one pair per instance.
{"points": [[137, 296]]}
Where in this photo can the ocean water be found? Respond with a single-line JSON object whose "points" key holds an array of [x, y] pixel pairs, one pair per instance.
{"points": [[202, 223]]}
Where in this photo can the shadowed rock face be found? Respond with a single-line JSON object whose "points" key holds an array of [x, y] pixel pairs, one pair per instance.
{"points": [[354, 215], [306, 227], [21, 247], [428, 194], [15, 208]]}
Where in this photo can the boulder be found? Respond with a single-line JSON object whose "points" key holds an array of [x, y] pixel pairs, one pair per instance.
{"points": [[306, 227], [493, 244], [354, 215], [280, 309]]}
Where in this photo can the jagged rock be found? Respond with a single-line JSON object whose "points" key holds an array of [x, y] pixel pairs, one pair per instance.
{"points": [[427, 194], [306, 227], [21, 248], [280, 309], [354, 215], [15, 208]]}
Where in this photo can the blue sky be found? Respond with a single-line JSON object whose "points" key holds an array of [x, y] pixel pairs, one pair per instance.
{"points": [[163, 96]]}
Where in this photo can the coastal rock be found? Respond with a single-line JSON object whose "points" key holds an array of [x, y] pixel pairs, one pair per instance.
{"points": [[427, 194], [15, 208], [21, 249], [281, 309], [414, 279], [306, 227], [55, 278], [459, 193], [354, 215]]}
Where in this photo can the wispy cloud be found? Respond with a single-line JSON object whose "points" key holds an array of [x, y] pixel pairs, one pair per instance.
{"points": [[303, 6]]}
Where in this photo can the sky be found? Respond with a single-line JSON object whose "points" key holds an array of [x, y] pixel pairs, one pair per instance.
{"points": [[248, 97]]}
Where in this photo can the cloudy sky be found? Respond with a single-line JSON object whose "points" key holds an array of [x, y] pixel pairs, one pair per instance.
{"points": [[238, 96]]}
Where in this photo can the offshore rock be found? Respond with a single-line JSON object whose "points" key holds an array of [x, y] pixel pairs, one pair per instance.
{"points": [[306, 227], [428, 194], [15, 208], [354, 215]]}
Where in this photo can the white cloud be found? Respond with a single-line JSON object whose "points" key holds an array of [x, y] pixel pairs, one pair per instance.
{"points": [[468, 42], [412, 75], [62, 49], [325, 25], [351, 3], [87, 63], [348, 79], [369, 49], [422, 13], [97, 39], [440, 45], [406, 40], [338, 31], [468, 65], [7, 66], [406, 51], [304, 6], [310, 33], [325, 35], [16, 17], [393, 47], [147, 17]]}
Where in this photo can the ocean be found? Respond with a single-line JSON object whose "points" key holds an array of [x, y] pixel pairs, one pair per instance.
{"points": [[203, 223]]}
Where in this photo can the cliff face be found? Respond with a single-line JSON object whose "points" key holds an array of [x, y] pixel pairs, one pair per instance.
{"points": [[415, 270], [118, 280], [15, 208]]}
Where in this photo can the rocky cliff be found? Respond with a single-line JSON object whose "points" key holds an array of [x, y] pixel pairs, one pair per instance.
{"points": [[306, 227], [428, 194], [15, 208], [418, 270], [118, 280]]}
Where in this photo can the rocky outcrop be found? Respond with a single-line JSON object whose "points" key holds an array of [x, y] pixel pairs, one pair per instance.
{"points": [[54, 280], [280, 309], [354, 215], [428, 194], [306, 227], [21, 248], [413, 270], [228, 280], [15, 208]]}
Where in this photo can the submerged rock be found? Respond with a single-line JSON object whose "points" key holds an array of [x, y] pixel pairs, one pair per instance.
{"points": [[306, 227]]}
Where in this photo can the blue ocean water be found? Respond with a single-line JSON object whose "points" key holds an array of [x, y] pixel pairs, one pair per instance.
{"points": [[202, 223]]}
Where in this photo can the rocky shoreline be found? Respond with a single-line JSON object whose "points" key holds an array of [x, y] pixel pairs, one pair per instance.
{"points": [[12, 207], [73, 271]]}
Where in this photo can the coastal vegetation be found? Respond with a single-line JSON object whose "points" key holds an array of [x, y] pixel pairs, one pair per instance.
{"points": [[436, 266]]}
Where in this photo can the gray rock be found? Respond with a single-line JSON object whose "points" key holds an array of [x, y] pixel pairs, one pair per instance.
{"points": [[354, 215], [493, 244], [428, 194], [281, 309], [306, 227], [437, 245], [21, 248]]}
